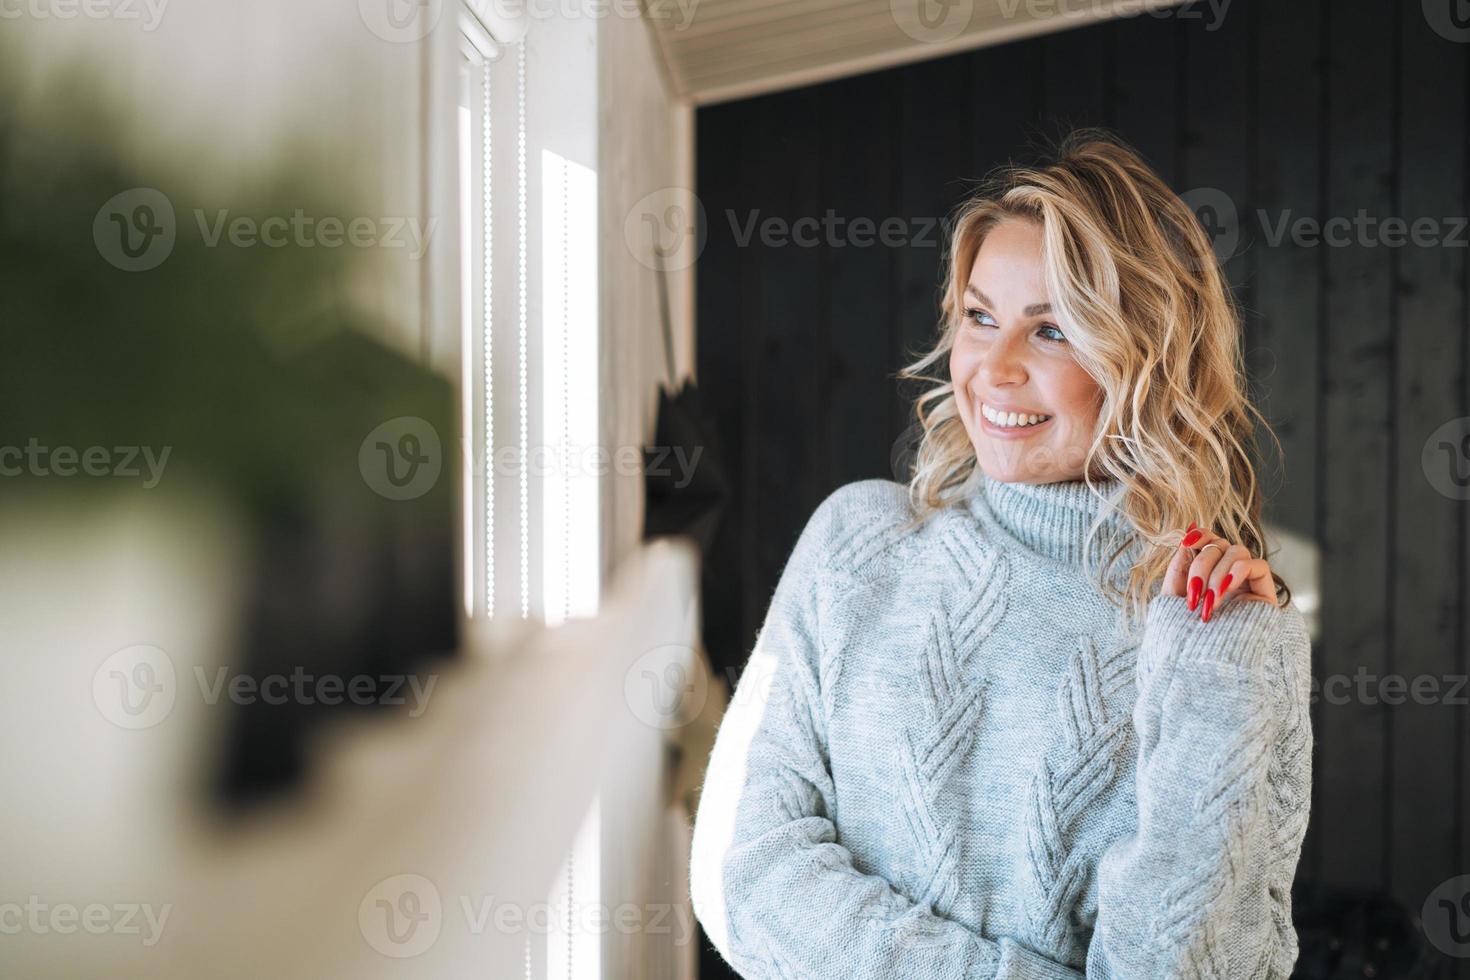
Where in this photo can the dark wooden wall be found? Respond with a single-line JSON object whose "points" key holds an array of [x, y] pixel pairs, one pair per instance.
{"points": [[1306, 109]]}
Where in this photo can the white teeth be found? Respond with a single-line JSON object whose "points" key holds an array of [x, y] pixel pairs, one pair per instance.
{"points": [[1011, 418]]}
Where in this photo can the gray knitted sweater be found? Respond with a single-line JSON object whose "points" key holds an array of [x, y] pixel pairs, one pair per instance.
{"points": [[947, 758]]}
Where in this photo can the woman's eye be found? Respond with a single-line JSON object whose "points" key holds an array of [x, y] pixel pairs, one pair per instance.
{"points": [[1055, 336], [1057, 330]]}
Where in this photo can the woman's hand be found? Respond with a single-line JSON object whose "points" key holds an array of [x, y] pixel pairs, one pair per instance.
{"points": [[1207, 568]]}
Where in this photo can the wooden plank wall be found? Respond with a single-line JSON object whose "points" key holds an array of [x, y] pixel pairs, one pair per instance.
{"points": [[1358, 352]]}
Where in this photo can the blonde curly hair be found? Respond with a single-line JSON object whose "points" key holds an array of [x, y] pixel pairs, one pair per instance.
{"points": [[1139, 292]]}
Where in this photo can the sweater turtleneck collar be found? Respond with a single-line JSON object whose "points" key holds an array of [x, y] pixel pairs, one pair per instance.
{"points": [[1052, 519]]}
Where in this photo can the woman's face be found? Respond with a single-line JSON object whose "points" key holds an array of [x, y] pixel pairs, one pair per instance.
{"points": [[1009, 356]]}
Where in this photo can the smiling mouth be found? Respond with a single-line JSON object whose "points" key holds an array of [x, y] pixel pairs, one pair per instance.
{"points": [[1012, 420]]}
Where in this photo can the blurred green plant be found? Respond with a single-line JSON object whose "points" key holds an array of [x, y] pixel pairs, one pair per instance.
{"points": [[257, 373], [251, 363]]}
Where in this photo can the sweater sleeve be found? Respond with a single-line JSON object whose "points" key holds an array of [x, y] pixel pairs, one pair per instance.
{"points": [[770, 880], [1223, 780]]}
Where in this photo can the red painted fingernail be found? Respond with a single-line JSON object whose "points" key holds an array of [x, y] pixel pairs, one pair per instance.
{"points": [[1191, 526], [1224, 584], [1194, 587], [1209, 602], [1191, 538]]}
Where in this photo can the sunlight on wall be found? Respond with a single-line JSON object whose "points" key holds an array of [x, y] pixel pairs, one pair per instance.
{"points": [[569, 318], [573, 950]]}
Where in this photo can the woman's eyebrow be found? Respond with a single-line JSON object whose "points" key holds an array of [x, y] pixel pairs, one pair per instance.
{"points": [[1035, 309]]}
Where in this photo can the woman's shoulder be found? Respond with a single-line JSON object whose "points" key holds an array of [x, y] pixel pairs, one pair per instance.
{"points": [[865, 499], [858, 523]]}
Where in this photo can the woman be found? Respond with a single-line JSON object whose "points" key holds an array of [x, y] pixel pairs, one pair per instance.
{"points": [[962, 746]]}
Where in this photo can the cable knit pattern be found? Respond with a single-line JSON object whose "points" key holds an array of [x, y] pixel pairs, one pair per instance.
{"points": [[947, 758], [1092, 708], [952, 703]]}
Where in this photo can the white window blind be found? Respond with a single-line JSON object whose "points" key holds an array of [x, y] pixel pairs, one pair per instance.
{"points": [[529, 374], [530, 341]]}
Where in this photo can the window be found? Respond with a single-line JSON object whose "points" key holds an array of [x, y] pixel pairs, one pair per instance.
{"points": [[529, 336], [529, 377]]}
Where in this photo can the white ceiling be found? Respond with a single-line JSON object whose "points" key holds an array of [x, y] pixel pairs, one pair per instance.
{"points": [[716, 50]]}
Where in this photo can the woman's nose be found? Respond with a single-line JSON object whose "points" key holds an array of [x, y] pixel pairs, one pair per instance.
{"points": [[1004, 362]]}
